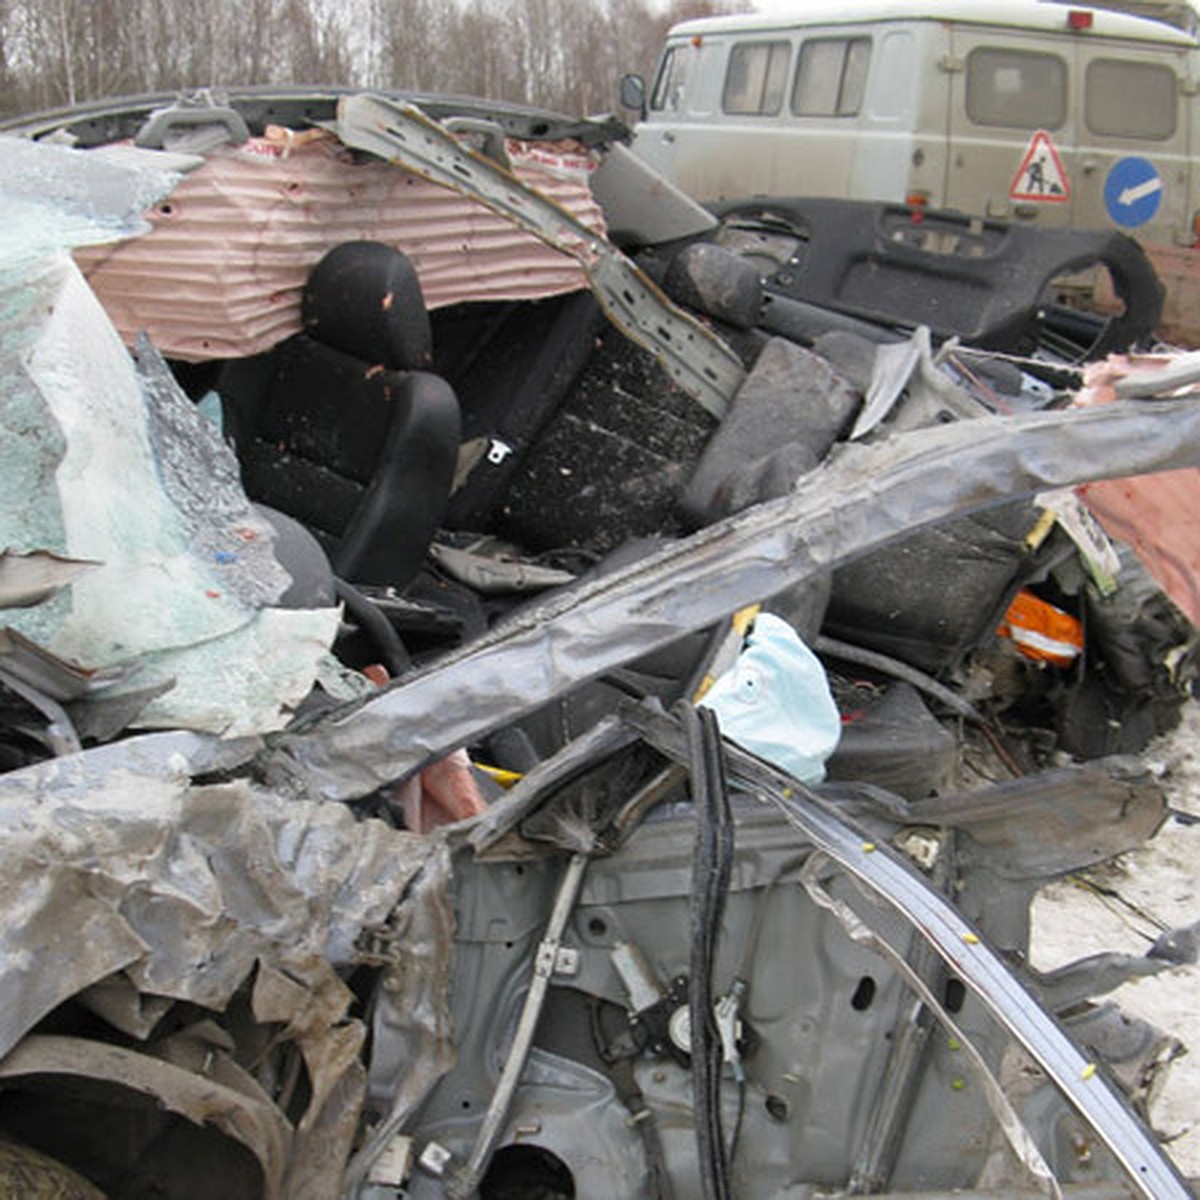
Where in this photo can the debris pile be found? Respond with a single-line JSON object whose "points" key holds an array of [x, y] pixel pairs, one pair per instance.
{"points": [[490, 706]]}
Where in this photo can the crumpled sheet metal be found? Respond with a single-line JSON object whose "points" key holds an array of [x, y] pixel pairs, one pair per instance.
{"points": [[413, 1038], [245, 229], [311, 1007], [107, 867], [1045, 825], [112, 861], [109, 463], [861, 498]]}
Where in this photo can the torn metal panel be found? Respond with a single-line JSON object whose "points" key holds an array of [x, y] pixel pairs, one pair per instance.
{"points": [[860, 499], [60, 735], [246, 228], [699, 362], [496, 574], [888, 876], [311, 1007], [894, 365], [414, 1042], [1045, 825], [124, 877], [28, 579], [115, 1000], [184, 888], [172, 756], [1069, 986], [25, 661]]}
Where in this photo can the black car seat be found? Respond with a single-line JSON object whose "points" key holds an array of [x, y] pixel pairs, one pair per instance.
{"points": [[342, 427]]}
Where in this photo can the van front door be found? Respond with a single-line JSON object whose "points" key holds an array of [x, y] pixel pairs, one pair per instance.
{"points": [[1012, 126]]}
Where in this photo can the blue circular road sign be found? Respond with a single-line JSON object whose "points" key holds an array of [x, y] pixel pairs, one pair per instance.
{"points": [[1133, 191]]}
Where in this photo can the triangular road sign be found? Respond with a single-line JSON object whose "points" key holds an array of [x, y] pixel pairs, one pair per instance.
{"points": [[1041, 175]]}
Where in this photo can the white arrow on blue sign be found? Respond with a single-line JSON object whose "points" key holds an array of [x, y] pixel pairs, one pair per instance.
{"points": [[1133, 191]]}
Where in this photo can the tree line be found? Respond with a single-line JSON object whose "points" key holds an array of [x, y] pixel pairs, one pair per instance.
{"points": [[566, 55]]}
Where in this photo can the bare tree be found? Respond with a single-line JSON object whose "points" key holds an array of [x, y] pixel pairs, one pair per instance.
{"points": [[562, 54]]}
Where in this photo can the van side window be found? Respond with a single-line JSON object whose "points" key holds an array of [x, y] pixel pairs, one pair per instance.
{"points": [[672, 79], [1016, 89], [757, 77], [1130, 99], [832, 77]]}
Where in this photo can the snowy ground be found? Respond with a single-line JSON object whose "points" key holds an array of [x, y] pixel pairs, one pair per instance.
{"points": [[1160, 887]]}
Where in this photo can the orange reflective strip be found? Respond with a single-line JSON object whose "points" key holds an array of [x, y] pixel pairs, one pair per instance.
{"points": [[1041, 631]]}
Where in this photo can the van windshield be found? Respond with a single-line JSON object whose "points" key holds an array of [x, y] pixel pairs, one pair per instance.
{"points": [[670, 87]]}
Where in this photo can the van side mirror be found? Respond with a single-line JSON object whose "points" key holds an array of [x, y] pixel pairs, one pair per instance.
{"points": [[633, 94]]}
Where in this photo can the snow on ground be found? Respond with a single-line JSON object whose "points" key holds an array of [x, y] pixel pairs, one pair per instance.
{"points": [[1160, 887]]}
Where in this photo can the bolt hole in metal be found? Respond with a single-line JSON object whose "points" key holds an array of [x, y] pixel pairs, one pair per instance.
{"points": [[953, 996], [777, 1108], [597, 927], [524, 1172], [864, 994]]}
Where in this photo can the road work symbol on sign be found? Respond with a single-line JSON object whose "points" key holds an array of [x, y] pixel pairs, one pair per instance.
{"points": [[1041, 175], [1133, 192]]}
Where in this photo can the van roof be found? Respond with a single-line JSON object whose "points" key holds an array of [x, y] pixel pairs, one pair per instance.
{"points": [[1027, 14]]}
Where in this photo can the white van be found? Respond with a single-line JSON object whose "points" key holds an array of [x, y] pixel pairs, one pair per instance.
{"points": [[1066, 116]]}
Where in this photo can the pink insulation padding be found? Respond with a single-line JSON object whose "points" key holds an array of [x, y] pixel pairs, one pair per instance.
{"points": [[220, 273], [1155, 514]]}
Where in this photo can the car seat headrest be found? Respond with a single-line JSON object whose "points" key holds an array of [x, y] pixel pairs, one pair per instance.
{"points": [[364, 298]]}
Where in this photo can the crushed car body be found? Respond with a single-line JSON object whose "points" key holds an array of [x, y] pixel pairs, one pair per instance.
{"points": [[514, 684]]}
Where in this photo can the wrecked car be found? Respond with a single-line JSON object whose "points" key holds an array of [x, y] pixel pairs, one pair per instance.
{"points": [[515, 684]]}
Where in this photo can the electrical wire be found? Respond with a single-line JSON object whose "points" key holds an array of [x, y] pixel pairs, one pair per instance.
{"points": [[712, 862]]}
